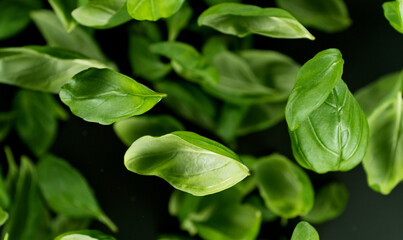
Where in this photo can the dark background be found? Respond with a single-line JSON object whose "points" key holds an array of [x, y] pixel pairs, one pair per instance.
{"points": [[138, 204]]}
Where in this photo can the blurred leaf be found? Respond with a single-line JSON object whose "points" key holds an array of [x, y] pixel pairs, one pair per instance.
{"points": [[229, 121], [393, 13], [304, 231], [179, 21], [154, 9], [7, 120], [257, 202], [62, 224], [63, 11], [85, 235], [214, 2], [3, 216]]}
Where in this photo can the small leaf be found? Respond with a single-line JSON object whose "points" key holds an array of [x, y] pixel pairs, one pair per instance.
{"points": [[187, 161], [84, 235], [43, 69], [105, 96], [67, 192], [63, 11], [393, 12], [241, 20], [304, 231], [285, 187], [129, 130], [330, 202], [102, 14], [3, 216], [178, 22], [154, 9]]}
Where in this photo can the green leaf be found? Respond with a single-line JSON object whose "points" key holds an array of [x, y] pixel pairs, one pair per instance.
{"points": [[329, 16], [67, 192], [189, 102], [14, 16], [129, 130], [36, 122], [84, 235], [393, 13], [12, 172], [214, 2], [63, 11], [77, 40], [105, 96], [285, 187], [4, 196], [187, 62], [154, 9], [229, 120], [62, 224], [330, 202], [102, 14], [213, 46], [6, 123], [179, 21], [242, 19], [44, 69], [315, 81], [383, 162], [304, 231], [257, 202], [189, 162], [3, 216]]}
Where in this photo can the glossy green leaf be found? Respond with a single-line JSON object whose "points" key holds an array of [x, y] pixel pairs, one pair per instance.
{"points": [[187, 62], [304, 231], [44, 69], [3, 216], [393, 12], [84, 235], [329, 16], [383, 162], [315, 81], [129, 130], [14, 16], [154, 9], [6, 124], [330, 202], [77, 40], [67, 192], [189, 162], [285, 187], [189, 102], [242, 20], [102, 14], [105, 96], [63, 11], [178, 22], [36, 120]]}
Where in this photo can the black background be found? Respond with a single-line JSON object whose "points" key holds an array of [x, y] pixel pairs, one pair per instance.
{"points": [[138, 204]]}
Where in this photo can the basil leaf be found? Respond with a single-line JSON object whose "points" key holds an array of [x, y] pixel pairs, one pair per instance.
{"points": [[6, 123], [178, 22], [214, 2], [187, 62], [77, 40], [154, 9], [41, 68], [242, 19], [330, 202], [315, 81], [384, 158], [14, 16], [329, 16], [257, 202], [84, 235], [189, 102], [285, 188], [129, 130], [105, 96], [304, 231], [102, 14], [62, 224], [189, 162], [230, 118], [63, 11], [3, 216], [233, 222], [36, 121], [67, 192], [393, 13], [214, 46]]}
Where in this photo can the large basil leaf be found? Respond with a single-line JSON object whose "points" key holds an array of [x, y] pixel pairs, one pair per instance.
{"points": [[41, 68], [187, 62], [67, 192], [329, 16], [77, 40], [304, 231], [105, 96], [383, 162], [129, 130], [330, 202], [242, 20], [154, 9], [189, 102], [6, 123], [178, 21], [14, 16], [189, 162], [394, 14], [84, 235], [63, 11], [284, 186], [102, 13]]}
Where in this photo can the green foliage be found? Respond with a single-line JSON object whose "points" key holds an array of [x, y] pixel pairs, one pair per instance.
{"points": [[85, 235], [304, 231], [393, 13], [154, 9]]}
